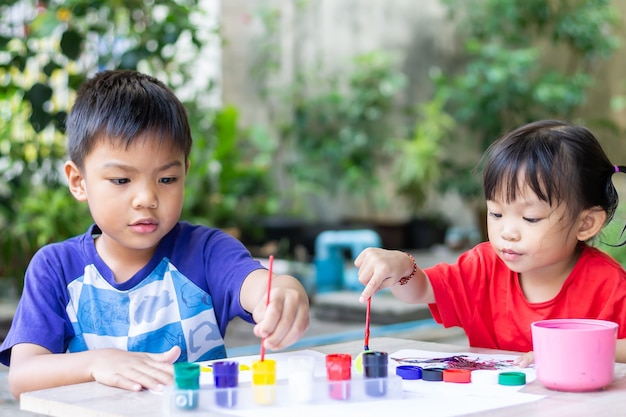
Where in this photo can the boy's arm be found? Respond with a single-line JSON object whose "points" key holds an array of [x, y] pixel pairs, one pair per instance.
{"points": [[286, 318], [34, 367], [382, 268]]}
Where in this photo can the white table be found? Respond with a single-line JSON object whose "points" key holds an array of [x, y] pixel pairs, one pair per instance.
{"points": [[96, 400]]}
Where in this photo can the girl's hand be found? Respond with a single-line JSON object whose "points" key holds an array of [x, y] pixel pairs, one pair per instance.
{"points": [[525, 360], [381, 268]]}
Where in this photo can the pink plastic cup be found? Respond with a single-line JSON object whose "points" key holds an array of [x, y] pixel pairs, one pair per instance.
{"points": [[574, 354]]}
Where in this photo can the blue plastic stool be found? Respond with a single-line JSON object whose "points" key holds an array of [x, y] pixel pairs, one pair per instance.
{"points": [[329, 259]]}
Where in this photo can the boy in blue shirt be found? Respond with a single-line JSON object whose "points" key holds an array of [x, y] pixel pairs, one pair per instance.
{"points": [[140, 289]]}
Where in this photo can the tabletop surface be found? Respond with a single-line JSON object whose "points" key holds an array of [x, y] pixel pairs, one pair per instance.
{"points": [[94, 399]]}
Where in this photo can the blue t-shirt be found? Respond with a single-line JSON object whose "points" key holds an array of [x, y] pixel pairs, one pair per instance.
{"points": [[185, 296]]}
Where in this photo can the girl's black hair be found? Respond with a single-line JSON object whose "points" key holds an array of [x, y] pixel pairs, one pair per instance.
{"points": [[120, 105], [559, 161]]}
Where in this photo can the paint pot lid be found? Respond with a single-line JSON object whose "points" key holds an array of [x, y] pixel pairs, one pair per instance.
{"points": [[409, 372], [461, 376], [432, 374], [512, 378]]}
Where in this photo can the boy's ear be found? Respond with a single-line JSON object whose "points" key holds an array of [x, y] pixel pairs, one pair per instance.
{"points": [[76, 181], [592, 222]]}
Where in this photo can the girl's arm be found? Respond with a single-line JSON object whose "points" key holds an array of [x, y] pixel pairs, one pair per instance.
{"points": [[620, 351]]}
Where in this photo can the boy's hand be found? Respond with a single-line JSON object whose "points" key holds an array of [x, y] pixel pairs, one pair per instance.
{"points": [[134, 371], [34, 367], [285, 319]]}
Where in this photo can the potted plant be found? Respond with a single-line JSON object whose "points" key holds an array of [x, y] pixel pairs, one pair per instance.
{"points": [[48, 50], [515, 73], [417, 170]]}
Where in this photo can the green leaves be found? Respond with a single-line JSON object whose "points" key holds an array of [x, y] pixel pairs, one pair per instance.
{"points": [[51, 49], [526, 60], [38, 95], [337, 130], [418, 164], [71, 44]]}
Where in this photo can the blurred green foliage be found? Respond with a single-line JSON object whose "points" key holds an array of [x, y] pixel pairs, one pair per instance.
{"points": [[231, 185], [339, 130], [330, 126], [417, 167], [613, 235], [46, 52], [525, 60]]}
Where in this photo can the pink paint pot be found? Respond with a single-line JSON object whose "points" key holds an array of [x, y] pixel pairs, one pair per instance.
{"points": [[574, 354]]}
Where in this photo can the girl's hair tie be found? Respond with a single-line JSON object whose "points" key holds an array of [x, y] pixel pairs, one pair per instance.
{"points": [[616, 168]]}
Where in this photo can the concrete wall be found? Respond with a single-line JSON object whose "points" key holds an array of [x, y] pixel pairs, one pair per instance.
{"points": [[326, 34]]}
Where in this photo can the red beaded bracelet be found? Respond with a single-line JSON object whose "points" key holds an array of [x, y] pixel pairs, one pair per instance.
{"points": [[406, 279]]}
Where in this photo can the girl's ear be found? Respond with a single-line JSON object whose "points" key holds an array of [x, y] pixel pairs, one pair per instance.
{"points": [[76, 181], [592, 221]]}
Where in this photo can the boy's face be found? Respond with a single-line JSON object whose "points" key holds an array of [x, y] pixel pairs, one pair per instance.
{"points": [[135, 193]]}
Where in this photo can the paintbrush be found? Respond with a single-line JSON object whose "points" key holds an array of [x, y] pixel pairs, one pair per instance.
{"points": [[267, 301]]}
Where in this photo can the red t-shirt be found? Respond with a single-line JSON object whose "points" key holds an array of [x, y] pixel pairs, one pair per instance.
{"points": [[481, 295]]}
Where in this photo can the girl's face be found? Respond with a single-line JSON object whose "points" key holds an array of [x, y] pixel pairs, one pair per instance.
{"points": [[531, 237], [135, 194]]}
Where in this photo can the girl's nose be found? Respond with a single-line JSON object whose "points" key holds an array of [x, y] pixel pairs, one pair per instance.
{"points": [[510, 232]]}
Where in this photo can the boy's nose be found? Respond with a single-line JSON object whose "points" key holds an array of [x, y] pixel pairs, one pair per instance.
{"points": [[145, 198]]}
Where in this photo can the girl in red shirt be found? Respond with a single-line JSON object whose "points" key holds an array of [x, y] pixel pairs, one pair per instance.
{"points": [[549, 190]]}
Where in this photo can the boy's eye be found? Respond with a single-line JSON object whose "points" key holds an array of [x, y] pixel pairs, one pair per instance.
{"points": [[168, 180], [120, 181]]}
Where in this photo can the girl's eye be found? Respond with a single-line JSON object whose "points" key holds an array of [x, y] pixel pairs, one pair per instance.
{"points": [[531, 219], [169, 180], [120, 181], [495, 215]]}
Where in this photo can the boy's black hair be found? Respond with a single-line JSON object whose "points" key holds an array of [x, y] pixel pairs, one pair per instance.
{"points": [[561, 163], [120, 105]]}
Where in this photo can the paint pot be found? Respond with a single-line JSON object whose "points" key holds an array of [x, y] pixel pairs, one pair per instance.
{"points": [[574, 354], [338, 371], [264, 381], [187, 385], [375, 368], [301, 372], [226, 378]]}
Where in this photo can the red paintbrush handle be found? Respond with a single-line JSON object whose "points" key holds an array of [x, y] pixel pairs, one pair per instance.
{"points": [[367, 323]]}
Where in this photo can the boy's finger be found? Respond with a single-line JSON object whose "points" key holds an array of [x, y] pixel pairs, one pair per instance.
{"points": [[289, 330]]}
